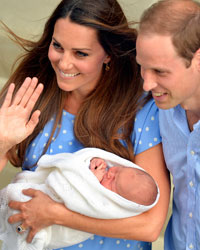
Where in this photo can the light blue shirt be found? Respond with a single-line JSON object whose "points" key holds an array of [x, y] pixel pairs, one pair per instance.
{"points": [[146, 134], [182, 154]]}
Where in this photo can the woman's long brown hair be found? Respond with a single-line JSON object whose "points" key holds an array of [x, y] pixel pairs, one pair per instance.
{"points": [[108, 112]]}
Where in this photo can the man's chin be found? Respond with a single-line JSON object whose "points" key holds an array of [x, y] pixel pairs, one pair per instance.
{"points": [[164, 106]]}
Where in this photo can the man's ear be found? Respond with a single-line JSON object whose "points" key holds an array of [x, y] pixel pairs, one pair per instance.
{"points": [[196, 57]]}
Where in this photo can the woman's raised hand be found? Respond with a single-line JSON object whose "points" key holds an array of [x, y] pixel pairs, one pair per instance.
{"points": [[16, 121]]}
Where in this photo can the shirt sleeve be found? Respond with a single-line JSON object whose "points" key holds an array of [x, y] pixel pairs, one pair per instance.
{"points": [[146, 128]]}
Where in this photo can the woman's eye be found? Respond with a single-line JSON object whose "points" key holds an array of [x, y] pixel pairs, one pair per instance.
{"points": [[81, 54], [56, 45]]}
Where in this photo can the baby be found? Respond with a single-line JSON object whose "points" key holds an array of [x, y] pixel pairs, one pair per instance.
{"points": [[131, 183]]}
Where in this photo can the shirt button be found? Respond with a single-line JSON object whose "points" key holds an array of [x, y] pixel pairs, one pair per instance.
{"points": [[192, 152], [191, 184], [190, 215], [191, 246]]}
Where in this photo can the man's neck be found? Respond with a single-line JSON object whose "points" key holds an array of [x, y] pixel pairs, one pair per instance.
{"points": [[192, 118]]}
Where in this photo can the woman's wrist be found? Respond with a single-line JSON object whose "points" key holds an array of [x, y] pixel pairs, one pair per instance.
{"points": [[4, 147], [3, 161], [60, 214]]}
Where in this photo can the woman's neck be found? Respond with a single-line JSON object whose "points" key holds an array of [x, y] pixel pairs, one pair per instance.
{"points": [[73, 103]]}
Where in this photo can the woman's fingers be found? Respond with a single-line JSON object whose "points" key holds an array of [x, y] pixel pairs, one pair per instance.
{"points": [[8, 98], [35, 214], [28, 93], [31, 235], [32, 99], [22, 90], [26, 96], [15, 112], [31, 192], [31, 124], [15, 218]]}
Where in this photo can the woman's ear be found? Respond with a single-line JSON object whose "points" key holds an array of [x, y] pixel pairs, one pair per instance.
{"points": [[107, 59]]}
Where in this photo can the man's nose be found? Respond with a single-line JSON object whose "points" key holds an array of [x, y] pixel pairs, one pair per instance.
{"points": [[149, 80]]}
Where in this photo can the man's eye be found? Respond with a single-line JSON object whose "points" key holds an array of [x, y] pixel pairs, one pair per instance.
{"points": [[81, 54], [160, 72]]}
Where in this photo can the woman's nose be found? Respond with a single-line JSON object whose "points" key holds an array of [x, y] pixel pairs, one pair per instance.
{"points": [[65, 62]]}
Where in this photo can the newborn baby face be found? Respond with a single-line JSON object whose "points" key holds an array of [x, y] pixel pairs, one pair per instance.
{"points": [[132, 184], [116, 179]]}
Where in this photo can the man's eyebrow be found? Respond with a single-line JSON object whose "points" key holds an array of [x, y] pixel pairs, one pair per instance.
{"points": [[161, 69], [154, 67]]}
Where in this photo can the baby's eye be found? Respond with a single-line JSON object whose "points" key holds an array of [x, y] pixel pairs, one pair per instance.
{"points": [[81, 54]]}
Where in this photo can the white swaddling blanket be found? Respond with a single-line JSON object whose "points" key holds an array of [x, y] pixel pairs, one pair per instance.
{"points": [[66, 178]]}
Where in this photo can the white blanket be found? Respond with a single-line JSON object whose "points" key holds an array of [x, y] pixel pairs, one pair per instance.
{"points": [[66, 178]]}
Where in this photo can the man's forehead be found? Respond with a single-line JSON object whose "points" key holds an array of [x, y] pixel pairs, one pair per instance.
{"points": [[155, 49]]}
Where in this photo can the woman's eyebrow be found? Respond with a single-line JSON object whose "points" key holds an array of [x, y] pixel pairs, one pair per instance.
{"points": [[53, 38]]}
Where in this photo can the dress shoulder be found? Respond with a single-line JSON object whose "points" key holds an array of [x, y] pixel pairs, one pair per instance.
{"points": [[146, 128]]}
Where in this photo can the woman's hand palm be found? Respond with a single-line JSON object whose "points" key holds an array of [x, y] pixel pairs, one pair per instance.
{"points": [[16, 120]]}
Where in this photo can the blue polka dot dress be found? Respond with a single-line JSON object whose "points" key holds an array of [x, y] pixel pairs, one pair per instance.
{"points": [[146, 134]]}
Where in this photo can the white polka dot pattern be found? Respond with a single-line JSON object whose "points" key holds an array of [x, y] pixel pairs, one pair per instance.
{"points": [[117, 244], [146, 128]]}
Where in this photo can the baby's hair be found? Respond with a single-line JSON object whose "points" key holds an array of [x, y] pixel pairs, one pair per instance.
{"points": [[142, 190]]}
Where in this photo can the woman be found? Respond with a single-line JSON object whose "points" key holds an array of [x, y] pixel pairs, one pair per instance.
{"points": [[92, 93]]}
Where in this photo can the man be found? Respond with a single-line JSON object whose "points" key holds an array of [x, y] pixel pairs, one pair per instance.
{"points": [[168, 50]]}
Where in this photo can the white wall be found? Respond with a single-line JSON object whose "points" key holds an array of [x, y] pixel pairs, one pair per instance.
{"points": [[134, 8]]}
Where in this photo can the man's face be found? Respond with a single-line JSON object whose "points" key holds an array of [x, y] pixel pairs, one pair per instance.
{"points": [[165, 73]]}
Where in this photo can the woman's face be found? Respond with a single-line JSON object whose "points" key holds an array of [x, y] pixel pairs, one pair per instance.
{"points": [[76, 57]]}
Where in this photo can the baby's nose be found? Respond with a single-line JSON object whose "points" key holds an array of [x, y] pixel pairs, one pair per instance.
{"points": [[111, 173]]}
